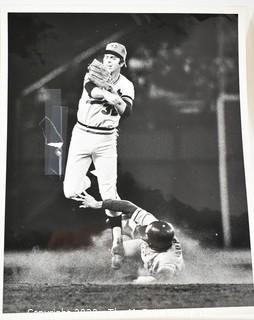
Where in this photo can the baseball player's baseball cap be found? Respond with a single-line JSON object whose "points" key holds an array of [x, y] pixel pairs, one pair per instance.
{"points": [[118, 50]]}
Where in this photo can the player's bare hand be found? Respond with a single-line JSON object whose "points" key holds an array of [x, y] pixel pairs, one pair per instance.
{"points": [[78, 197], [87, 200]]}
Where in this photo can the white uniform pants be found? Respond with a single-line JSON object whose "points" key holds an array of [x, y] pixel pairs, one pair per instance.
{"points": [[86, 147]]}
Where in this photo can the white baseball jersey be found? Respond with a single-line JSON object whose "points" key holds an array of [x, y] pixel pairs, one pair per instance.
{"points": [[154, 261], [98, 112], [94, 139], [170, 260]]}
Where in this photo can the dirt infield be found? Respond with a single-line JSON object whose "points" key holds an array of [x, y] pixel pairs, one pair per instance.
{"points": [[82, 280], [95, 297]]}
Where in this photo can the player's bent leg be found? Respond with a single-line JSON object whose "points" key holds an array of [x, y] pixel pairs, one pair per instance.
{"points": [[117, 250], [105, 162], [115, 222], [71, 190], [78, 163], [108, 191], [131, 247]]}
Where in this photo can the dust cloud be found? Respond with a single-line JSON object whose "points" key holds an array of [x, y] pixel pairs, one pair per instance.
{"points": [[92, 265]]}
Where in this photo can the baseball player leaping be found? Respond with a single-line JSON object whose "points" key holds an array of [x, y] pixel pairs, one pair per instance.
{"points": [[107, 95], [153, 240]]}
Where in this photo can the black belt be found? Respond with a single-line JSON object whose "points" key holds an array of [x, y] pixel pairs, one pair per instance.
{"points": [[96, 128]]}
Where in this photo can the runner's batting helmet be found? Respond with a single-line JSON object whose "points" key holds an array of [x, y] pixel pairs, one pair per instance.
{"points": [[159, 235]]}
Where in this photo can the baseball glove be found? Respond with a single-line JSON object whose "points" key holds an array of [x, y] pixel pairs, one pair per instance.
{"points": [[99, 75]]}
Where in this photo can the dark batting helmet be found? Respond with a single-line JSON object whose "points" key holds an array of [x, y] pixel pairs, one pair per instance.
{"points": [[159, 235]]}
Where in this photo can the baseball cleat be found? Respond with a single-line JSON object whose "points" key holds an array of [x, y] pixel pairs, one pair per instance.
{"points": [[117, 252]]}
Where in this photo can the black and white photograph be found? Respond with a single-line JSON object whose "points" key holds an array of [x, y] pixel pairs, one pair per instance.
{"points": [[125, 186]]}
